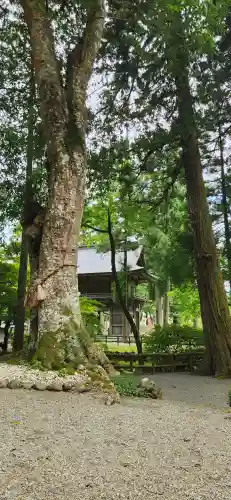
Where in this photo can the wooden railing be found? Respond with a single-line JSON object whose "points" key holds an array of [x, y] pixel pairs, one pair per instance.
{"points": [[187, 361], [119, 339]]}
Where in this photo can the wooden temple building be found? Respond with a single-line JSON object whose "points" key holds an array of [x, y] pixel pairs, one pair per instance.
{"points": [[96, 282]]}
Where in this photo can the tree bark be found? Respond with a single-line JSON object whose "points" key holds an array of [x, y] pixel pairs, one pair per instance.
{"points": [[214, 306], [6, 335], [63, 111], [166, 306], [21, 292], [225, 204], [159, 306], [22, 274]]}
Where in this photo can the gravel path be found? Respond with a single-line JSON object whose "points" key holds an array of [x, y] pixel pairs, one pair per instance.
{"points": [[193, 389], [57, 446]]}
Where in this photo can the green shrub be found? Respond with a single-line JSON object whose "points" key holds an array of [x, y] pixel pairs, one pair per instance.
{"points": [[173, 338], [90, 316], [230, 398]]}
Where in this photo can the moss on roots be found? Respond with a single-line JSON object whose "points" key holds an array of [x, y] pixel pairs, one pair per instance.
{"points": [[62, 348], [70, 345]]}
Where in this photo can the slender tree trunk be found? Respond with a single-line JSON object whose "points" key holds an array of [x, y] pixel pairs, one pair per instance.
{"points": [[125, 333], [61, 337], [225, 205], [22, 274], [214, 306], [166, 306], [159, 306], [6, 334], [119, 292], [34, 251], [196, 322], [20, 308]]}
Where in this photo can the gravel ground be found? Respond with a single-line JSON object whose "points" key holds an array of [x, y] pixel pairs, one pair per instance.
{"points": [[57, 446], [193, 389], [27, 374]]}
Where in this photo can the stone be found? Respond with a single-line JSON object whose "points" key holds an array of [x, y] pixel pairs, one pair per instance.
{"points": [[68, 386], [27, 385], [14, 384], [82, 388], [3, 383], [155, 393], [55, 386], [111, 399], [148, 384], [147, 388], [39, 386]]}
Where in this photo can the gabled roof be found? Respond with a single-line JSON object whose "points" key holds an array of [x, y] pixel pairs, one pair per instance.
{"points": [[92, 262]]}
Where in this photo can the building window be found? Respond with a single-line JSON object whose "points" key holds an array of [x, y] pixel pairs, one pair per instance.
{"points": [[117, 330]]}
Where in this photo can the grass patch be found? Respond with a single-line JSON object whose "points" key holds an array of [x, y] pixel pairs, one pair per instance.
{"points": [[126, 384], [112, 347]]}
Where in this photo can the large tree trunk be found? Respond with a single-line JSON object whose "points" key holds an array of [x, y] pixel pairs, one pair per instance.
{"points": [[61, 337], [225, 204], [214, 306]]}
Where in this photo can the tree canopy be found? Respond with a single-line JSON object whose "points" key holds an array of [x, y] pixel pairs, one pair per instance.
{"points": [[115, 130]]}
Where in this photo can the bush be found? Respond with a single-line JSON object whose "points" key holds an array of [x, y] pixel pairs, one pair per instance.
{"points": [[173, 338], [90, 316]]}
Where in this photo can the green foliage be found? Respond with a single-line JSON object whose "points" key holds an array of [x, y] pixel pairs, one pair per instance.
{"points": [[8, 280], [173, 338], [185, 303], [127, 385], [229, 398], [90, 315], [130, 385]]}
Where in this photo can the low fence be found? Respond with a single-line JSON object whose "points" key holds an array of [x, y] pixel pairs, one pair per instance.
{"points": [[187, 361], [106, 339]]}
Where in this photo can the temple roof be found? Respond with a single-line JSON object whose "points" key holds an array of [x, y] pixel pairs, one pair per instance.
{"points": [[90, 261]]}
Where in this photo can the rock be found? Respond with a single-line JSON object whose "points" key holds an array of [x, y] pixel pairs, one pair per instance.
{"points": [[82, 388], [3, 383], [27, 385], [147, 388], [68, 386], [111, 399], [148, 384], [39, 386], [155, 393], [55, 386], [14, 384], [81, 368]]}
